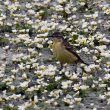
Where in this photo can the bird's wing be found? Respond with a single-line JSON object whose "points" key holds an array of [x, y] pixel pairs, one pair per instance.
{"points": [[70, 49]]}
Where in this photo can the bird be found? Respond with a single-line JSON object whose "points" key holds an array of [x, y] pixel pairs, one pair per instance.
{"points": [[63, 51]]}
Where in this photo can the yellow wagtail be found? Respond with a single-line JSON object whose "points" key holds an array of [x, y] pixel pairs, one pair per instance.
{"points": [[63, 51]]}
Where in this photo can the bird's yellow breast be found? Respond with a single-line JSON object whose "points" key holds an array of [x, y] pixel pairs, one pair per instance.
{"points": [[62, 54]]}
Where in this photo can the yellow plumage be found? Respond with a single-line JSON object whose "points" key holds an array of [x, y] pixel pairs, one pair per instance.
{"points": [[61, 53]]}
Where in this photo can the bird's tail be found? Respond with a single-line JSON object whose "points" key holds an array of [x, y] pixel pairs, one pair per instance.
{"points": [[83, 62]]}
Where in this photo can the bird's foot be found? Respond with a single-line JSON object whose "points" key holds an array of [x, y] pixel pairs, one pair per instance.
{"points": [[60, 68]]}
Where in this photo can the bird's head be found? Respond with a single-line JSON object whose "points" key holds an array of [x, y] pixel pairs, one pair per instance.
{"points": [[57, 36]]}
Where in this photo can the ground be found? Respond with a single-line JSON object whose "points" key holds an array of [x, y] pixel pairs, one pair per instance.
{"points": [[30, 78]]}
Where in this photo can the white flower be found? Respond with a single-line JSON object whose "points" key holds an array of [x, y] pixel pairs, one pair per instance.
{"points": [[88, 16], [1, 23], [26, 18], [86, 30], [25, 57], [68, 29], [34, 65], [14, 30], [21, 66], [84, 78], [21, 107], [107, 77], [38, 40], [35, 99], [78, 99], [23, 36], [8, 80], [59, 8], [67, 100], [14, 96], [105, 54], [94, 108], [3, 57], [49, 101], [55, 103], [108, 101], [82, 3], [28, 66], [99, 21], [44, 28], [87, 68], [74, 9], [108, 88], [61, 1], [102, 85], [84, 87], [30, 22], [6, 47], [108, 94], [11, 105], [12, 87], [57, 78], [102, 97], [12, 7], [43, 35], [95, 14], [39, 45], [55, 93], [6, 2], [84, 25], [32, 12], [76, 87], [24, 76], [1, 75], [85, 49], [14, 71], [30, 89], [33, 61], [28, 5], [9, 24], [74, 76], [107, 11], [67, 10], [51, 68], [67, 74], [24, 106], [50, 42], [95, 82], [93, 66], [62, 27], [13, 77], [24, 84], [105, 40], [93, 23], [68, 96], [101, 48], [71, 106], [65, 84]]}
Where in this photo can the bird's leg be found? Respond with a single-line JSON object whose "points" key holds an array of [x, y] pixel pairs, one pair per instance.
{"points": [[79, 71], [75, 65], [61, 66], [76, 68]]}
